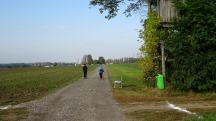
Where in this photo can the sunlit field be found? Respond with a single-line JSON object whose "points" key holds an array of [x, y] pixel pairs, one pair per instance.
{"points": [[23, 84], [130, 74]]}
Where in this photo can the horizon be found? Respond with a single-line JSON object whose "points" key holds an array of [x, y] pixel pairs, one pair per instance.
{"points": [[62, 61]]}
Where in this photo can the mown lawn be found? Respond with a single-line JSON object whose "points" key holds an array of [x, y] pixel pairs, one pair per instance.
{"points": [[24, 84], [131, 76]]}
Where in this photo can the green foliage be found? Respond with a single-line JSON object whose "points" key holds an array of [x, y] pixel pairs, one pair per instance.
{"points": [[150, 37], [107, 5], [112, 6], [204, 117], [87, 59], [192, 44], [101, 60], [151, 60]]}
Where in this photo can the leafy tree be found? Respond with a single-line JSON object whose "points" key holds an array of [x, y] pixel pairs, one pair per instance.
{"points": [[112, 6], [101, 60], [89, 59], [55, 64], [150, 37], [84, 61], [150, 63], [123, 60], [192, 44], [96, 62]]}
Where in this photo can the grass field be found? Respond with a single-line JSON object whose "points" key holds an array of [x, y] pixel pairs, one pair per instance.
{"points": [[131, 76], [24, 84], [134, 90]]}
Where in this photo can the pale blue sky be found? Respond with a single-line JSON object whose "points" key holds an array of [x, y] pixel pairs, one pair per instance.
{"points": [[63, 31]]}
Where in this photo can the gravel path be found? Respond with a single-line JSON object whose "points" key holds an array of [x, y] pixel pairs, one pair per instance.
{"points": [[85, 100]]}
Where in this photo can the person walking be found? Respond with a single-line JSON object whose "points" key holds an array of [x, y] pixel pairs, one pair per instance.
{"points": [[85, 70], [101, 71]]}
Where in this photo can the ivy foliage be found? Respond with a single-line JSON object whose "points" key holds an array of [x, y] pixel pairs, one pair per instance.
{"points": [[151, 57], [192, 44]]}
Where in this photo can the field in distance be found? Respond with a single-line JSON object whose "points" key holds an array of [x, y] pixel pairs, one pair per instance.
{"points": [[24, 84], [130, 74]]}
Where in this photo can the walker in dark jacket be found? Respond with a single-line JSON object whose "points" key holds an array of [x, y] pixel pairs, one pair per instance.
{"points": [[101, 71], [85, 70]]}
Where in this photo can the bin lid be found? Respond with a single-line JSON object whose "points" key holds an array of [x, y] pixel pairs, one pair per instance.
{"points": [[160, 75]]}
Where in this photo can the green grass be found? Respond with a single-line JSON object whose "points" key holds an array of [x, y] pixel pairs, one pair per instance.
{"points": [[25, 84], [157, 115], [208, 96], [13, 114], [209, 116], [134, 90], [170, 115], [131, 75]]}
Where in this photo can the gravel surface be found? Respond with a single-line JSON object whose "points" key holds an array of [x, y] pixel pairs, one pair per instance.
{"points": [[85, 100]]}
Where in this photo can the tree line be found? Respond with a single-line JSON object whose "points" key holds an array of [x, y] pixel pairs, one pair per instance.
{"points": [[39, 64], [87, 59], [122, 60]]}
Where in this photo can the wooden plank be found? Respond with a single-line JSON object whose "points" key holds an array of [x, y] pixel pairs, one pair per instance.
{"points": [[166, 10]]}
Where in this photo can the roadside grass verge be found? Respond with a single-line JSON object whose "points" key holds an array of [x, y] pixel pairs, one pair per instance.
{"points": [[207, 116], [157, 115], [134, 91], [131, 76], [134, 88], [133, 84], [13, 114], [170, 115], [24, 84]]}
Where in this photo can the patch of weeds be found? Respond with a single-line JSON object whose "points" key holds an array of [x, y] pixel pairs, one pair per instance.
{"points": [[7, 102], [13, 114], [208, 96], [210, 116], [157, 115]]}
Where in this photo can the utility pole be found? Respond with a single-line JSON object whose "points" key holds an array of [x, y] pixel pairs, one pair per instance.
{"points": [[163, 60]]}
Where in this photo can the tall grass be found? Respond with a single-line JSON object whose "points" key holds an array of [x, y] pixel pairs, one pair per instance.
{"points": [[24, 84]]}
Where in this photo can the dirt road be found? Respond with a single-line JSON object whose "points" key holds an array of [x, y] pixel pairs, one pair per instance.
{"points": [[85, 100]]}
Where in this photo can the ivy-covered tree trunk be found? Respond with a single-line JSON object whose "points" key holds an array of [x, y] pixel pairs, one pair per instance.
{"points": [[151, 57], [192, 44]]}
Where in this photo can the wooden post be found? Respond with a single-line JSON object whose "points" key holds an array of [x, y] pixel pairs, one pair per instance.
{"points": [[163, 61]]}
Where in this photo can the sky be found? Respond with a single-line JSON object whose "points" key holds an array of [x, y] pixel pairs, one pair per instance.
{"points": [[63, 31]]}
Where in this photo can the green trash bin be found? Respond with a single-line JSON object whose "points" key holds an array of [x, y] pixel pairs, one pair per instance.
{"points": [[160, 81]]}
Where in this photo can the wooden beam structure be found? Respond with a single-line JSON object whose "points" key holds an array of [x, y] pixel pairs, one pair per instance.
{"points": [[166, 11]]}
